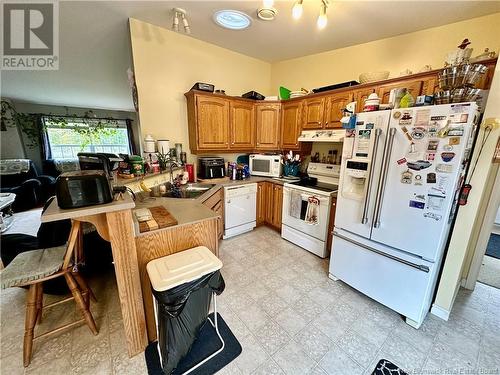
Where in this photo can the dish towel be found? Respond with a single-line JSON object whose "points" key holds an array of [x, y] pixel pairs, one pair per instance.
{"points": [[312, 213], [295, 204]]}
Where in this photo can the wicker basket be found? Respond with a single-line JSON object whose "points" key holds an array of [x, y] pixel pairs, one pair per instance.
{"points": [[373, 76]]}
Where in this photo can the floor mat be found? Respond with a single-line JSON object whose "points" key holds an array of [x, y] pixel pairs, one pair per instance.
{"points": [[385, 367], [207, 343], [493, 248]]}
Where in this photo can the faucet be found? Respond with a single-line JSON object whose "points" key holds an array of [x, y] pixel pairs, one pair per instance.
{"points": [[172, 164]]}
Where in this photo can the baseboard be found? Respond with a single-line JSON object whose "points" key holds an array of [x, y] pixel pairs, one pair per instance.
{"points": [[440, 312]]}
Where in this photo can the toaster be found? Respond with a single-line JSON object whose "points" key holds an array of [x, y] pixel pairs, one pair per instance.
{"points": [[83, 188]]}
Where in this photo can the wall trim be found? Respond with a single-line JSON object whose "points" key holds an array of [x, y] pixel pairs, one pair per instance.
{"points": [[440, 312]]}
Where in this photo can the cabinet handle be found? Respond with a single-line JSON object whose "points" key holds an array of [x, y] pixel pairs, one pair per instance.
{"points": [[319, 122], [326, 123]]}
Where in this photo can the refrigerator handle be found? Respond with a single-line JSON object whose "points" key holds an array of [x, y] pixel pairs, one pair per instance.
{"points": [[420, 267], [364, 219], [381, 188]]}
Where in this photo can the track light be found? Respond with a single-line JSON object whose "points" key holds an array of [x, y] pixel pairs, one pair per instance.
{"points": [[175, 25], [297, 9], [187, 29], [322, 19], [182, 13]]}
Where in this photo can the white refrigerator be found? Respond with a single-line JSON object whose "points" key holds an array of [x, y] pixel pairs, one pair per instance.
{"points": [[400, 179]]}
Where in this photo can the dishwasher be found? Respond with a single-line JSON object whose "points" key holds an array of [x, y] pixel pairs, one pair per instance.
{"points": [[240, 209]]}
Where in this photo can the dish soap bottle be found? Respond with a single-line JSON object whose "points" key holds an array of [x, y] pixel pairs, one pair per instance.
{"points": [[407, 100]]}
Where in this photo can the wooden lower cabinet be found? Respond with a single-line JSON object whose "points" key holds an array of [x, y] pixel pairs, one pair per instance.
{"points": [[261, 202], [277, 205], [216, 203], [269, 204]]}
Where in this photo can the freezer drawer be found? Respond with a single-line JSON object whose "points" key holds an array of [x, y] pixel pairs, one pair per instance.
{"points": [[401, 283]]}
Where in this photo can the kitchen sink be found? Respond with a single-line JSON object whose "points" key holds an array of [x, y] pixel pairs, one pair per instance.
{"points": [[188, 191]]}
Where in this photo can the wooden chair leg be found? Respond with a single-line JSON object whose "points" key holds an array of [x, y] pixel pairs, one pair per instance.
{"points": [[73, 286], [84, 287], [29, 323], [39, 303]]}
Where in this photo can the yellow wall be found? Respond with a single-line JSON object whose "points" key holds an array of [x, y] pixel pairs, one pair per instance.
{"points": [[167, 64], [409, 51]]}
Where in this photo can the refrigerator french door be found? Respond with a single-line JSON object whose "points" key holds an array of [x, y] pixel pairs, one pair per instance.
{"points": [[397, 195]]}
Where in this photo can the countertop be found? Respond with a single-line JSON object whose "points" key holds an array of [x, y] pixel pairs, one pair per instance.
{"points": [[185, 211], [189, 211]]}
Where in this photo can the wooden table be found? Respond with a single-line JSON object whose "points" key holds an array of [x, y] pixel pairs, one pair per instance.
{"points": [[114, 223]]}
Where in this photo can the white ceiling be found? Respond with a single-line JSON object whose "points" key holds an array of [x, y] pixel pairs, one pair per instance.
{"points": [[95, 48], [349, 23]]}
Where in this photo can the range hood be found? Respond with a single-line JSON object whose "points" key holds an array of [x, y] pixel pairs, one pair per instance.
{"points": [[322, 136]]}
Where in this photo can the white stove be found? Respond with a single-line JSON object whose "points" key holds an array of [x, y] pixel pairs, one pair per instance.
{"points": [[318, 188]]}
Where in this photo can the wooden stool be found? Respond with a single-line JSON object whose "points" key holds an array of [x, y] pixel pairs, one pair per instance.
{"points": [[32, 268]]}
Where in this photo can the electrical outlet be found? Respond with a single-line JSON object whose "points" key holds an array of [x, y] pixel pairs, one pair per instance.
{"points": [[493, 122]]}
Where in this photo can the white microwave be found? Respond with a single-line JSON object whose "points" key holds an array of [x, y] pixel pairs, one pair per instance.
{"points": [[265, 165]]}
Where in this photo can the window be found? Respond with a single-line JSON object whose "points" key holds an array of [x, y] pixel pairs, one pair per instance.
{"points": [[66, 139]]}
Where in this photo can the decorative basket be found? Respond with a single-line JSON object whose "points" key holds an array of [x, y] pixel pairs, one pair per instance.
{"points": [[373, 76]]}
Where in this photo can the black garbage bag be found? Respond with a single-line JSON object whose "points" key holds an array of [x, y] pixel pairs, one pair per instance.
{"points": [[182, 312]]}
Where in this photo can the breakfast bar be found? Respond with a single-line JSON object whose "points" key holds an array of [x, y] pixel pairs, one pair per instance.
{"points": [[114, 223], [196, 225]]}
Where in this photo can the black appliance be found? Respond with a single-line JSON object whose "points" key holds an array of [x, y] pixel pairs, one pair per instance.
{"points": [[253, 95], [211, 167], [99, 161], [312, 182], [83, 188], [208, 87], [336, 86]]}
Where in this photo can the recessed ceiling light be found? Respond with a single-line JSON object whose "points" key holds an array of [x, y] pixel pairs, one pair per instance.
{"points": [[232, 19]]}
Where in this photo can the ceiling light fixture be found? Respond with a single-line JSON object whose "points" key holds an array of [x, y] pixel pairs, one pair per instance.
{"points": [[297, 9], [183, 14], [322, 19], [232, 19]]}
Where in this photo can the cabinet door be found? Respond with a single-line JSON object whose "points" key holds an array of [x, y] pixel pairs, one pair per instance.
{"points": [[242, 125], [277, 205], [313, 113], [360, 96], [290, 125], [414, 87], [261, 203], [268, 126], [333, 109], [212, 122], [267, 189]]}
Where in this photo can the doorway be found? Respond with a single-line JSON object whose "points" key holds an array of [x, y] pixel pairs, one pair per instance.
{"points": [[489, 272], [485, 264]]}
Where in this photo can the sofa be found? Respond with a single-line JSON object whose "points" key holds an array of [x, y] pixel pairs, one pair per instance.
{"points": [[19, 176]]}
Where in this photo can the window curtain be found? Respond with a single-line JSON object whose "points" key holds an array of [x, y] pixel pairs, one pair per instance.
{"points": [[44, 138], [130, 132]]}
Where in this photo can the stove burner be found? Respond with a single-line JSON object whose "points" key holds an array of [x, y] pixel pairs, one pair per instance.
{"points": [[312, 182]]}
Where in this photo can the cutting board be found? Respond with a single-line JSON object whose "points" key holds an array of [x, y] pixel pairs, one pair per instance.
{"points": [[161, 219]]}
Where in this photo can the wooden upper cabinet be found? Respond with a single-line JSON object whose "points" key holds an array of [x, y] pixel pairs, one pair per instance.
{"points": [[267, 126], [333, 109], [212, 122], [360, 96], [313, 113], [242, 128], [290, 125], [414, 87]]}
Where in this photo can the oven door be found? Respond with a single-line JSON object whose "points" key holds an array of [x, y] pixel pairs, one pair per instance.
{"points": [[319, 230]]}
